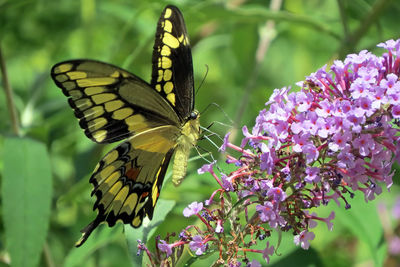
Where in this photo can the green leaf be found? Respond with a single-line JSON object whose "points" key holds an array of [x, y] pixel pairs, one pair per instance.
{"points": [[146, 231], [300, 257], [102, 237], [26, 195], [363, 221]]}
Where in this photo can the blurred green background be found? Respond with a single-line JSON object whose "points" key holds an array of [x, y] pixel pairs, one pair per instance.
{"points": [[242, 49]]}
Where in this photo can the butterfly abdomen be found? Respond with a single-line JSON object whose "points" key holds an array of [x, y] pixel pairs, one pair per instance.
{"points": [[180, 163], [190, 133]]}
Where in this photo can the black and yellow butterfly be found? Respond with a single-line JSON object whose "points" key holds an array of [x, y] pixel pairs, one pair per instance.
{"points": [[157, 120]]}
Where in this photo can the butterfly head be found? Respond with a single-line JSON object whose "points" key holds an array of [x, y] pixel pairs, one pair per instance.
{"points": [[191, 129], [194, 115]]}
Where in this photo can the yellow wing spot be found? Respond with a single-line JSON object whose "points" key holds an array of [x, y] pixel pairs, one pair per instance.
{"points": [[96, 124], [74, 75], [108, 181], [168, 86], [113, 105], [109, 196], [95, 90], [122, 194], [167, 26], [119, 199], [125, 74], [136, 123], [158, 87], [102, 98], [165, 51], [168, 13], [115, 188], [160, 75], [171, 98], [94, 112], [96, 81], [115, 74], [83, 103], [167, 75], [108, 175], [166, 63], [170, 40], [159, 63], [138, 118], [61, 78], [100, 135], [63, 68], [75, 94], [96, 168], [155, 193], [129, 204], [69, 85], [141, 201], [122, 113], [183, 39], [136, 221], [186, 41], [111, 157], [105, 183]]}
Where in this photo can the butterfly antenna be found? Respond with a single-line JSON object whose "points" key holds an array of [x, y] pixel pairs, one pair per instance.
{"points": [[202, 81], [200, 156], [207, 153], [220, 123], [211, 141], [211, 156], [210, 133], [223, 112]]}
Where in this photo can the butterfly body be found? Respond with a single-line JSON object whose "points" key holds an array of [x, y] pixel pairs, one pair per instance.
{"points": [[155, 121], [189, 134]]}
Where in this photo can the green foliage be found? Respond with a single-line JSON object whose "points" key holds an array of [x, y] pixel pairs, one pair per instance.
{"points": [[225, 36], [26, 194]]}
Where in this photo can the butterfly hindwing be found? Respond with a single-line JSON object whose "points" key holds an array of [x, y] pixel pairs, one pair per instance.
{"points": [[172, 74], [128, 180], [110, 103], [157, 120]]}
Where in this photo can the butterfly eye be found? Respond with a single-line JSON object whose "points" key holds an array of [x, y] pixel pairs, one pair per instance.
{"points": [[193, 115]]}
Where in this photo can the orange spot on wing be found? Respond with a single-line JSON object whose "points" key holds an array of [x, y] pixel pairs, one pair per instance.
{"points": [[133, 173]]}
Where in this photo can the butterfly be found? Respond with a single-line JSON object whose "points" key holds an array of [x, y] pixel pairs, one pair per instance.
{"points": [[156, 120]]}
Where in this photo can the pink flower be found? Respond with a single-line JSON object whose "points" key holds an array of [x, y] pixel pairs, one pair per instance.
{"points": [[165, 247], [197, 245], [303, 239], [268, 251], [193, 209]]}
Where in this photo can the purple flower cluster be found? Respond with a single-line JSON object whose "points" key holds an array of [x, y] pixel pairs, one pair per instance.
{"points": [[337, 135]]}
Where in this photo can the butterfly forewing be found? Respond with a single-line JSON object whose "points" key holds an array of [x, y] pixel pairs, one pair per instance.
{"points": [[110, 103], [113, 104], [172, 74]]}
